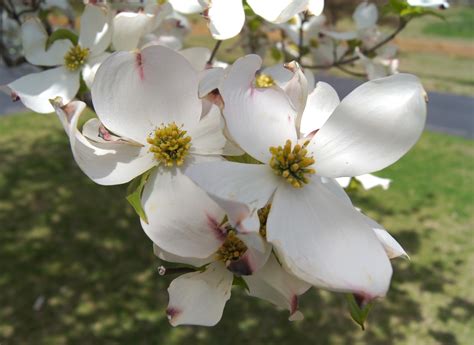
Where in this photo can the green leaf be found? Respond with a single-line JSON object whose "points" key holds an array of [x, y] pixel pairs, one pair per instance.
{"points": [[276, 54], [416, 12], [239, 281], [358, 313], [134, 194], [62, 34]]}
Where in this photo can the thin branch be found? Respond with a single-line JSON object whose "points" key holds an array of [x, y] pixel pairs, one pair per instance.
{"points": [[355, 74], [401, 25], [304, 19], [214, 52]]}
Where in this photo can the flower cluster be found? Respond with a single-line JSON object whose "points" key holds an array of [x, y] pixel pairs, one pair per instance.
{"points": [[237, 169]]}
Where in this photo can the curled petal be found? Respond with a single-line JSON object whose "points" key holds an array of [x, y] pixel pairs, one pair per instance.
{"points": [[272, 283], [297, 91], [391, 246], [164, 255], [199, 298], [372, 127], [105, 163]]}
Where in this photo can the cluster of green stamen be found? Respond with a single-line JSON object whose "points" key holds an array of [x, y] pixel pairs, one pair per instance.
{"points": [[292, 164], [264, 81], [170, 144], [232, 249], [76, 57], [263, 216]]}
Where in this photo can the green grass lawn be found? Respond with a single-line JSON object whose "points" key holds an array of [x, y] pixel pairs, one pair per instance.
{"points": [[80, 246]]}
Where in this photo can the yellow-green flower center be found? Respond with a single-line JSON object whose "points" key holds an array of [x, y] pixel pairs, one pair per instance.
{"points": [[76, 57], [294, 165], [232, 249], [263, 216], [170, 144], [264, 81]]}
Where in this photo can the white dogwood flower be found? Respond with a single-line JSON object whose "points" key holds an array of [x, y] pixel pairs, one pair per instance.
{"points": [[149, 116], [319, 238], [34, 90], [227, 17], [240, 252]]}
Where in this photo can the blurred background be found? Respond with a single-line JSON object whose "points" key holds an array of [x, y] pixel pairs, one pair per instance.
{"points": [[76, 268]]}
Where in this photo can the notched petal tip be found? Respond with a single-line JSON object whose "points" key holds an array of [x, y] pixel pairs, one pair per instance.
{"points": [[292, 66], [172, 314]]}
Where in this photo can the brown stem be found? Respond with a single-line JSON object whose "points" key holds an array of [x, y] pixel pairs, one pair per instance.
{"points": [[214, 52]]}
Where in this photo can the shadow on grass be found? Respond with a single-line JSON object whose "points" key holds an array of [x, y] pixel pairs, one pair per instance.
{"points": [[76, 268]]}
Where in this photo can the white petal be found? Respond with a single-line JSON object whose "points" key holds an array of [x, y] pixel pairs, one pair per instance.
{"points": [[34, 38], [320, 105], [226, 18], [316, 7], [373, 127], [182, 219], [278, 11], [326, 242], [391, 246], [272, 283], [135, 92], [257, 118], [197, 57], [90, 68], [209, 80], [199, 298], [370, 181], [344, 181], [36, 89], [106, 164], [208, 136], [251, 184], [164, 255], [187, 6], [129, 27], [297, 91], [96, 30], [279, 73], [365, 15]]}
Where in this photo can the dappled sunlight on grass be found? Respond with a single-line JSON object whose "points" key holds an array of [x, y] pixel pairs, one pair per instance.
{"points": [[76, 268]]}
